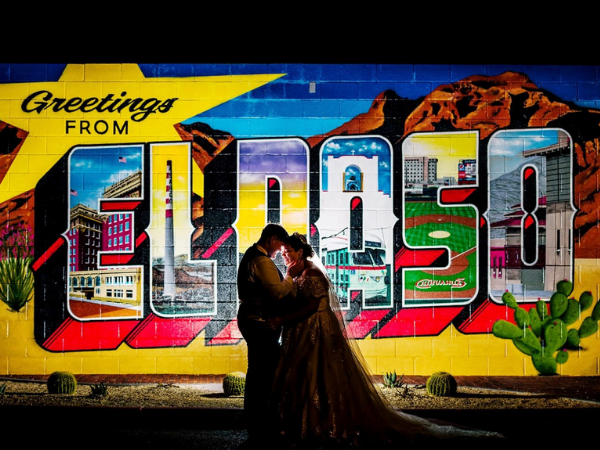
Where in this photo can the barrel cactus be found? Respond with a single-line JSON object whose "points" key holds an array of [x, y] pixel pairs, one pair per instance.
{"points": [[234, 383], [61, 383], [441, 384], [542, 332]]}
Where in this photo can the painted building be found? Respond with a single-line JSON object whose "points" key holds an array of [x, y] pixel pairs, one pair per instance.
{"points": [[122, 286], [116, 232], [85, 238], [356, 226], [427, 191]]}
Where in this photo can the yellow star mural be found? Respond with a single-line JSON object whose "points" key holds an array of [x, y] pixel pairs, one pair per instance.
{"points": [[104, 104]]}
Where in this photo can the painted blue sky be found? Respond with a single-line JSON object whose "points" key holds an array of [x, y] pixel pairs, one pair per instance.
{"points": [[506, 147], [369, 147], [93, 169]]}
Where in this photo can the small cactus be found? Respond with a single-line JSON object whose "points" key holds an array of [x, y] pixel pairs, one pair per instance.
{"points": [[441, 384], [61, 383], [234, 384], [99, 390], [391, 380]]}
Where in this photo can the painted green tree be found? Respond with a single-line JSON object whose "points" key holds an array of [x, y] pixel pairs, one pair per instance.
{"points": [[542, 332]]}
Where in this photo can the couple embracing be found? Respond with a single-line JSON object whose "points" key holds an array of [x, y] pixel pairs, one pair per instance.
{"points": [[306, 382]]}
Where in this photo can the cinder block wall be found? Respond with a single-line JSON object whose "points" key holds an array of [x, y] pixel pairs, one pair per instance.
{"points": [[128, 193]]}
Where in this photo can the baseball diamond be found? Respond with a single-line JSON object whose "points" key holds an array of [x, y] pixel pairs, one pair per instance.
{"points": [[430, 224]]}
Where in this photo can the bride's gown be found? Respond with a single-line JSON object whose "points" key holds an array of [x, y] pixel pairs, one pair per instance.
{"points": [[323, 392]]}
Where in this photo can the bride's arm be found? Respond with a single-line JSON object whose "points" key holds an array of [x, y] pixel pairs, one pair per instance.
{"points": [[311, 307], [311, 304]]}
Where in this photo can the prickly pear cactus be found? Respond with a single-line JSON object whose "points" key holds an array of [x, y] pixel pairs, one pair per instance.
{"points": [[509, 299], [234, 383], [558, 304], [588, 327], [441, 384], [542, 332], [545, 365], [564, 287], [61, 383], [586, 299]]}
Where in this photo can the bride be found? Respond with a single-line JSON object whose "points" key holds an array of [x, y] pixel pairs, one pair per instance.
{"points": [[323, 393]]}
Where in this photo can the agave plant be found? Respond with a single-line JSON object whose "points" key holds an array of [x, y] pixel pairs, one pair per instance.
{"points": [[391, 380], [99, 390], [16, 282]]}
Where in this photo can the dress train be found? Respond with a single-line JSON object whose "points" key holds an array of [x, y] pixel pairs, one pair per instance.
{"points": [[323, 392]]}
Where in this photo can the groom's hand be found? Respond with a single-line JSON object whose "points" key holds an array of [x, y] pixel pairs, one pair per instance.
{"points": [[274, 322], [295, 268]]}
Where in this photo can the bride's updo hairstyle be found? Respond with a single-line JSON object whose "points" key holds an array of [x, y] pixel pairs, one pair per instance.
{"points": [[298, 242]]}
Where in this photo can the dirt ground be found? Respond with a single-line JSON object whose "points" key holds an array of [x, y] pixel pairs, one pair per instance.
{"points": [[211, 396]]}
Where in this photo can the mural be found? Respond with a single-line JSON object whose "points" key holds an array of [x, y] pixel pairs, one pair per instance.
{"points": [[425, 202]]}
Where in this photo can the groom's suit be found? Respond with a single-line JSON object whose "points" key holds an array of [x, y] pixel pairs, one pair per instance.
{"points": [[260, 286]]}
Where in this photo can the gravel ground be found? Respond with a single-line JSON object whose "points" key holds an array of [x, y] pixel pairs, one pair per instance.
{"points": [[211, 396]]}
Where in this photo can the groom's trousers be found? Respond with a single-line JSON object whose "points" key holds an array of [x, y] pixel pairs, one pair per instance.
{"points": [[263, 356]]}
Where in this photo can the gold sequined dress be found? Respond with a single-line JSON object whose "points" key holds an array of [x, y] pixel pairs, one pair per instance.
{"points": [[323, 391]]}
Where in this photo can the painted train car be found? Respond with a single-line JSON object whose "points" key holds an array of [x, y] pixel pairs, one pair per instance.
{"points": [[364, 270]]}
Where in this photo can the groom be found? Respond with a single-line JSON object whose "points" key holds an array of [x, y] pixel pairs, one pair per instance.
{"points": [[260, 285]]}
